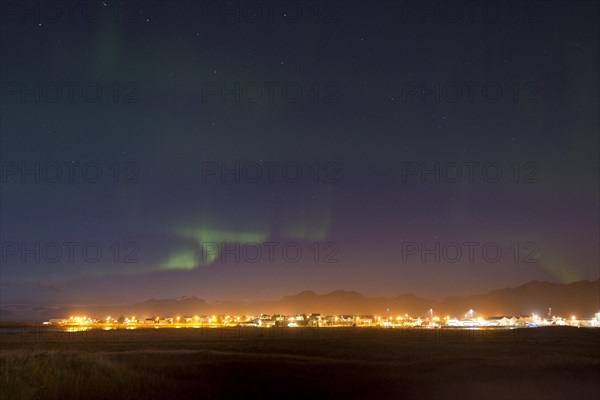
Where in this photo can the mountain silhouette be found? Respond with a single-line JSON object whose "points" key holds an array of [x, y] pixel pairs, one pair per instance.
{"points": [[578, 298]]}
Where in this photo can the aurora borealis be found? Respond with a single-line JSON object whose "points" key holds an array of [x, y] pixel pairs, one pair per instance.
{"points": [[340, 135]]}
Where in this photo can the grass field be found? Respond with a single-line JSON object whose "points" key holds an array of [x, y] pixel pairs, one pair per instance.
{"points": [[542, 363]]}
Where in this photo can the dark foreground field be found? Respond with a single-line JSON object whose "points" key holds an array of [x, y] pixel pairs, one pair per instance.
{"points": [[542, 363]]}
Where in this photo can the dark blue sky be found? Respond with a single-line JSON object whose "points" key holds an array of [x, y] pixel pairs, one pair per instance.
{"points": [[120, 120]]}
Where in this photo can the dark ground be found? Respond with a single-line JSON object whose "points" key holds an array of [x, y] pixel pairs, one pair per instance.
{"points": [[541, 363]]}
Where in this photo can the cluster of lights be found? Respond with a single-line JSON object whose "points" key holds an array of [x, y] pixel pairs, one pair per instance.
{"points": [[264, 320]]}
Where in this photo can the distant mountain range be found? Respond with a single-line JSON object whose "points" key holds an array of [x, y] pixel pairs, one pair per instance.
{"points": [[578, 298]]}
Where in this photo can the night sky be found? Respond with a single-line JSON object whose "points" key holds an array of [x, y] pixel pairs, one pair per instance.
{"points": [[359, 98]]}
